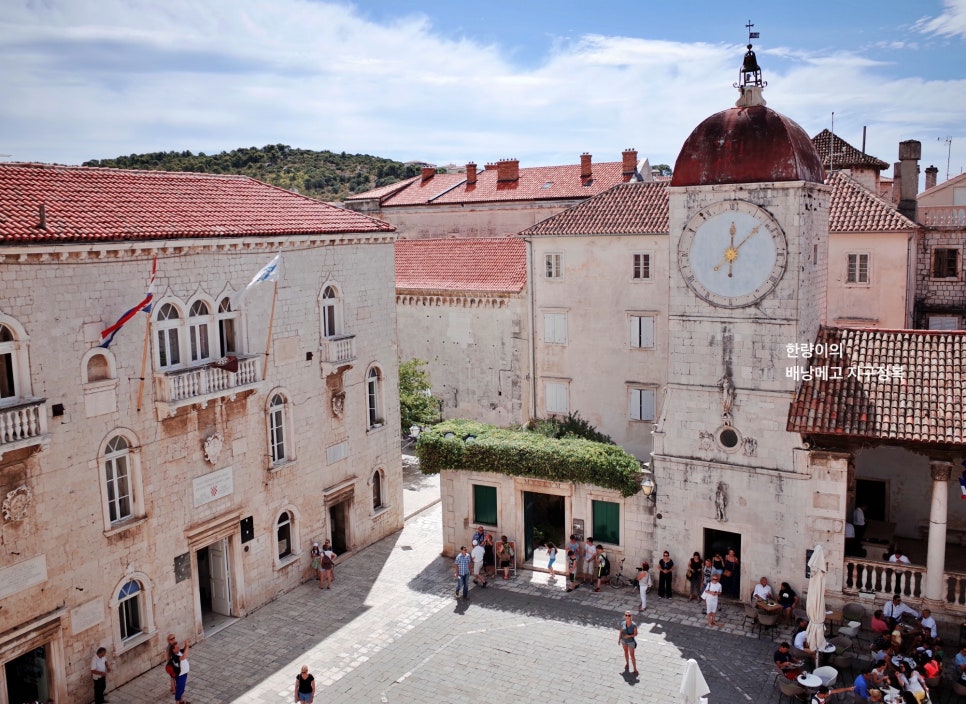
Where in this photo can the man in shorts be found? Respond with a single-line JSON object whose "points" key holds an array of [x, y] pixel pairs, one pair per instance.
{"points": [[589, 560], [479, 578]]}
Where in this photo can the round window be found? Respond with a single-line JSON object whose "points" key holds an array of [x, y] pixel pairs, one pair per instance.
{"points": [[728, 438]]}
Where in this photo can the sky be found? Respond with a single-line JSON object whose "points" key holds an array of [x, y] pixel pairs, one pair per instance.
{"points": [[450, 81]]}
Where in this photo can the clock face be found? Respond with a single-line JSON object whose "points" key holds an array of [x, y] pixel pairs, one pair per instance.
{"points": [[732, 254]]}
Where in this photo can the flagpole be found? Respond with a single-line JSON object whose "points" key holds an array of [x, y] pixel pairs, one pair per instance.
{"points": [[268, 342], [144, 357]]}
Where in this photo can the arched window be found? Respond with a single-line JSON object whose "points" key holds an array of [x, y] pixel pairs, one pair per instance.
{"points": [[377, 490], [227, 328], [331, 312], [199, 326], [9, 365], [98, 368], [129, 608], [283, 535], [374, 397], [169, 344], [122, 482], [277, 421]]}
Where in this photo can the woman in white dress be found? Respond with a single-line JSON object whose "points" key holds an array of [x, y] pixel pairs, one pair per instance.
{"points": [[710, 597], [643, 583]]}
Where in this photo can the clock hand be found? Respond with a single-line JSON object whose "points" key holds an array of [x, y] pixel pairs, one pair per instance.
{"points": [[730, 253], [750, 235]]}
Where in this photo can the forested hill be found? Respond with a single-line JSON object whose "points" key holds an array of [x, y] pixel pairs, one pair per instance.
{"points": [[323, 175]]}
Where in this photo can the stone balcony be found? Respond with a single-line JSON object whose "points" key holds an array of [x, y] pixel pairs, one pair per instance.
{"points": [[950, 216], [337, 351], [23, 424], [199, 385]]}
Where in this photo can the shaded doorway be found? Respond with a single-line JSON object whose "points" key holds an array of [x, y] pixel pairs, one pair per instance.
{"points": [[214, 585], [874, 495], [339, 527], [27, 677], [720, 542], [544, 520]]}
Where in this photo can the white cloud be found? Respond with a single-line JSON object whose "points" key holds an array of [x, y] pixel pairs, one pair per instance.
{"points": [[951, 22]]}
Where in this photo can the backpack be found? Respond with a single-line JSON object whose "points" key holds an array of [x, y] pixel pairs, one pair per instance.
{"points": [[327, 562], [605, 566]]}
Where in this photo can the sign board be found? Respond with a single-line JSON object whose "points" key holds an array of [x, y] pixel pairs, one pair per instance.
{"points": [[212, 486], [578, 529]]}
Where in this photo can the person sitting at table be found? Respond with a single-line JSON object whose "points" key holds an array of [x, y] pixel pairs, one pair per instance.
{"points": [[897, 556], [928, 624], [960, 659], [885, 653], [802, 644], [878, 623], [913, 681], [784, 661], [762, 590], [931, 667], [788, 599], [877, 677], [861, 685], [895, 609]]}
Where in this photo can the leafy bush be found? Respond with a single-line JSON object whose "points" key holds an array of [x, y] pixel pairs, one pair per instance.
{"points": [[463, 444], [571, 426], [416, 405]]}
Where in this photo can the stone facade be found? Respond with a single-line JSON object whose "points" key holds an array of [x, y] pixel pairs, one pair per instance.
{"points": [[135, 509]]}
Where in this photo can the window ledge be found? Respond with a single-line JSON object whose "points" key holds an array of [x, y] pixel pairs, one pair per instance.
{"points": [[126, 525], [376, 427], [381, 510], [281, 564], [281, 465], [134, 642]]}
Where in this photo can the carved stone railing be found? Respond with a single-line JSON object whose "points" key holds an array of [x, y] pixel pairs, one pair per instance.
{"points": [[338, 349], [886, 577], [199, 385], [942, 216], [23, 424]]}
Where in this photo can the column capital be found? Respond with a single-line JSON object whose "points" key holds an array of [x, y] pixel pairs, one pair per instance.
{"points": [[940, 471]]}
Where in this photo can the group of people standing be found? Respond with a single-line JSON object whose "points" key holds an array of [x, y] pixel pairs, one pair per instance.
{"points": [[482, 561], [587, 563], [323, 562]]}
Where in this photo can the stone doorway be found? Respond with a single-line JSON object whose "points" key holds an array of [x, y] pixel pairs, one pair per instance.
{"points": [[28, 676]]}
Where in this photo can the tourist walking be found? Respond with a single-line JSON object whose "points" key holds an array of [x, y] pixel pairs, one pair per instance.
{"points": [[627, 637], [731, 578], [551, 558], [571, 570], [644, 583], [477, 554], [178, 667], [710, 597], [316, 563], [328, 565], [462, 564], [304, 686], [665, 567]]}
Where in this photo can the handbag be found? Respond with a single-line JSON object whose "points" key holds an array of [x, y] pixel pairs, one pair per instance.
{"points": [[727, 573], [690, 574]]}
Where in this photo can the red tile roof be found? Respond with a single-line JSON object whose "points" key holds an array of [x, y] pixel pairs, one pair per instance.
{"points": [[485, 264], [91, 204], [382, 191], [836, 153], [854, 208], [626, 209], [924, 406], [416, 191]]}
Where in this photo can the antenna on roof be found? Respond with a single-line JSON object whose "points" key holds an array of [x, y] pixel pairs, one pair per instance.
{"points": [[949, 151], [831, 145]]}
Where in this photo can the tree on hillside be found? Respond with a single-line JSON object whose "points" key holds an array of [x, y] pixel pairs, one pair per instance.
{"points": [[417, 405]]}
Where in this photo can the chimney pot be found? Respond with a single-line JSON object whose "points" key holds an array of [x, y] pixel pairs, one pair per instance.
{"points": [[428, 172], [932, 173], [471, 173], [586, 168], [508, 170], [629, 165], [910, 152]]}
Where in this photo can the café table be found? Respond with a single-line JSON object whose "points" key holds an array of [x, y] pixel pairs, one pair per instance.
{"points": [[768, 606], [827, 649], [809, 681]]}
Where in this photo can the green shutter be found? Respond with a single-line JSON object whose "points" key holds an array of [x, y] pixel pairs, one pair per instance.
{"points": [[484, 504], [607, 517]]}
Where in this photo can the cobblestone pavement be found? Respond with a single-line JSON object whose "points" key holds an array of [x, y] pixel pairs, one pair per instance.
{"points": [[391, 630]]}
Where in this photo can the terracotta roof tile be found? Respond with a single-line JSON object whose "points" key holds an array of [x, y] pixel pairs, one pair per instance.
{"points": [[626, 209], [924, 405], [486, 264], [421, 192], [383, 191], [853, 208], [836, 153], [92, 204]]}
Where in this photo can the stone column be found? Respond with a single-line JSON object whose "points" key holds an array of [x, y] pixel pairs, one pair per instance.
{"points": [[936, 552]]}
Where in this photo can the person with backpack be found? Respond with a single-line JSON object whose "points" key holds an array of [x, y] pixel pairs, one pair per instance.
{"points": [[506, 556], [603, 566], [177, 667], [327, 562]]}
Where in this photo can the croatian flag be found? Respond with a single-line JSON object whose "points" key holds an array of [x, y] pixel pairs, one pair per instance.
{"points": [[269, 272], [107, 335]]}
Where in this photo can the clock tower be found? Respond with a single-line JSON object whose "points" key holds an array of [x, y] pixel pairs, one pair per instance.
{"points": [[748, 227]]}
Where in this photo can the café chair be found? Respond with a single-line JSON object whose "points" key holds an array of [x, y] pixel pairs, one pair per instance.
{"points": [[794, 691], [844, 660], [842, 643], [827, 674], [751, 613], [767, 622], [959, 690]]}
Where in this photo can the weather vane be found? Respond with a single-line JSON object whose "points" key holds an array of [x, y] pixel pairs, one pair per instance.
{"points": [[750, 73]]}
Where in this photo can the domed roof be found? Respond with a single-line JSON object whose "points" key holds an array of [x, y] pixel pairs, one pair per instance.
{"points": [[750, 144]]}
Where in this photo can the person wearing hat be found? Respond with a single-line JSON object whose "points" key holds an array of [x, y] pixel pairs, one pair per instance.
{"points": [[477, 554], [627, 637]]}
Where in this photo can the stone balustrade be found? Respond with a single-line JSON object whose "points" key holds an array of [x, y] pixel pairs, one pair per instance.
{"points": [[338, 349], [942, 216], [174, 389], [22, 423]]}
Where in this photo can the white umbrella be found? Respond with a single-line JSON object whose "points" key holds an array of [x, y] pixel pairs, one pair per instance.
{"points": [[693, 686], [815, 602]]}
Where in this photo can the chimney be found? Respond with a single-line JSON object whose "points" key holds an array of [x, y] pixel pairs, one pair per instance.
{"points": [[931, 174], [471, 173], [910, 152], [585, 168], [629, 167], [508, 170], [428, 172]]}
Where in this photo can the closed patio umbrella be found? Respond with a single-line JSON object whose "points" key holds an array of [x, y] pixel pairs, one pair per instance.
{"points": [[693, 685], [815, 602]]}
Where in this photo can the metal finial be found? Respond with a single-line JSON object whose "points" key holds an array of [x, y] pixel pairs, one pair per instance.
{"points": [[750, 73]]}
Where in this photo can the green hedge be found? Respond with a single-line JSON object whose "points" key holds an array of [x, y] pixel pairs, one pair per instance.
{"points": [[521, 453]]}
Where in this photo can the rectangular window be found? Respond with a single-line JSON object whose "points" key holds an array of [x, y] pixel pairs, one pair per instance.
{"points": [[642, 404], [945, 263], [943, 322], [858, 270], [553, 266], [641, 270], [484, 505], [607, 522], [557, 401], [642, 331], [555, 328]]}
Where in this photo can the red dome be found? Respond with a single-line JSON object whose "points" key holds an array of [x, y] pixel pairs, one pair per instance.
{"points": [[747, 145]]}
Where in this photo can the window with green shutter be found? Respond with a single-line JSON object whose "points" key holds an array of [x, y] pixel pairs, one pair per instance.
{"points": [[484, 504], [607, 522]]}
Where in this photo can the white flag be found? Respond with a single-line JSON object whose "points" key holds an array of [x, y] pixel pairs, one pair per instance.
{"points": [[269, 272]]}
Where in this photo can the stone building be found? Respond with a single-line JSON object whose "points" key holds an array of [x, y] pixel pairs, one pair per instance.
{"points": [[940, 302], [176, 479]]}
